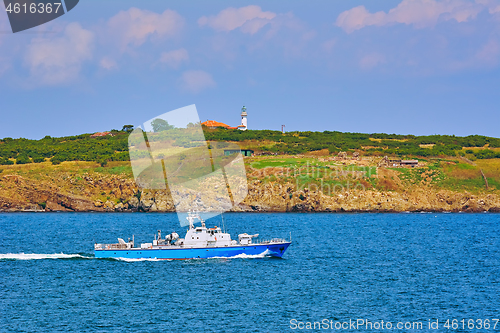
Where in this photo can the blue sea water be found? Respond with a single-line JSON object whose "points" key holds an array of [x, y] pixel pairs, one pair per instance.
{"points": [[399, 268]]}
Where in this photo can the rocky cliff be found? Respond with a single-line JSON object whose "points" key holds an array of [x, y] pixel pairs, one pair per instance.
{"points": [[112, 193]]}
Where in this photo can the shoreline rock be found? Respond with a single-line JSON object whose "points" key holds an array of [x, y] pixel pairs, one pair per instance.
{"points": [[268, 199], [114, 194]]}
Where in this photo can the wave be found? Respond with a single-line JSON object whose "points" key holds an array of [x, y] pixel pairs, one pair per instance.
{"points": [[239, 256], [38, 256], [136, 259], [246, 256]]}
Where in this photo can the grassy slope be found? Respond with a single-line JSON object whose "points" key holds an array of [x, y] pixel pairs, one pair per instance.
{"points": [[67, 178], [444, 173], [315, 166], [328, 176]]}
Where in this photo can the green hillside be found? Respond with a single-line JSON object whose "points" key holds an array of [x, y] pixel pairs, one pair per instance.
{"points": [[114, 147]]}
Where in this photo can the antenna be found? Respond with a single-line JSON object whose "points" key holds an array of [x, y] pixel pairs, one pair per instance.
{"points": [[283, 129], [223, 224]]}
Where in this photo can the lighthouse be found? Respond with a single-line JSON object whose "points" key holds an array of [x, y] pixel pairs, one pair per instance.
{"points": [[243, 125]]}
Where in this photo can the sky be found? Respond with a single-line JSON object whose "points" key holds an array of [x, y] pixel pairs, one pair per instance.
{"points": [[418, 67]]}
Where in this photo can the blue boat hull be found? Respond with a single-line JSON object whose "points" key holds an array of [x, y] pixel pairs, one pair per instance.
{"points": [[170, 253]]}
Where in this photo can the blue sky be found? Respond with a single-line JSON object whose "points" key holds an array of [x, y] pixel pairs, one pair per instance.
{"points": [[407, 67]]}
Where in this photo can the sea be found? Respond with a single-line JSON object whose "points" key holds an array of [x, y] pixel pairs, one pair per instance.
{"points": [[414, 272]]}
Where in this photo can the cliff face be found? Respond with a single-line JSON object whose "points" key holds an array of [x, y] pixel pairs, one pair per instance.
{"points": [[114, 193], [284, 199], [18, 193]]}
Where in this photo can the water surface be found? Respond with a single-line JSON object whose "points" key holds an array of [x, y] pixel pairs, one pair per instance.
{"points": [[391, 267]]}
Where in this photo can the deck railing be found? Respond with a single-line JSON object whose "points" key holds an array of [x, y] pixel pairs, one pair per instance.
{"points": [[111, 246]]}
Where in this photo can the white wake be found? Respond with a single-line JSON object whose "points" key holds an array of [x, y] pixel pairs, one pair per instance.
{"points": [[137, 259], [36, 256], [245, 256], [239, 256]]}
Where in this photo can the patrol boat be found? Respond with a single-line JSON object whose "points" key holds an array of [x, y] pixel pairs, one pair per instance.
{"points": [[199, 242]]}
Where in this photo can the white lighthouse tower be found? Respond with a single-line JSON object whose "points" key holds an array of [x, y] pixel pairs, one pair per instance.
{"points": [[243, 125]]}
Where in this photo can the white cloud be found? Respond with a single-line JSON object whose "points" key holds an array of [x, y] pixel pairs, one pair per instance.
{"points": [[4, 25], [196, 81], [249, 19], [174, 58], [59, 60], [492, 5], [108, 63], [4, 65], [135, 26], [283, 35], [372, 60], [5, 62], [489, 54], [419, 13], [328, 45]]}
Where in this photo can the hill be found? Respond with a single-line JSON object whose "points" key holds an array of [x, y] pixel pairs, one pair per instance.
{"points": [[296, 171], [114, 146]]}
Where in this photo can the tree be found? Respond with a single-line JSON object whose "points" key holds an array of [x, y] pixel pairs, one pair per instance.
{"points": [[5, 161], [23, 159], [103, 161], [161, 125], [128, 128], [38, 159], [56, 160]]}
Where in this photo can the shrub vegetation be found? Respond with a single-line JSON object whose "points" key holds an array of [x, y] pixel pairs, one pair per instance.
{"points": [[115, 148]]}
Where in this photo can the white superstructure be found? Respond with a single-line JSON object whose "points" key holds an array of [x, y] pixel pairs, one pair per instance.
{"points": [[203, 236]]}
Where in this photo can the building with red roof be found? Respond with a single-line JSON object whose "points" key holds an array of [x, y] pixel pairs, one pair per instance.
{"points": [[215, 124], [98, 134]]}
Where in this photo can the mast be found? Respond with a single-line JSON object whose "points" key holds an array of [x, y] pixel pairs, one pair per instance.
{"points": [[191, 217], [223, 224]]}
